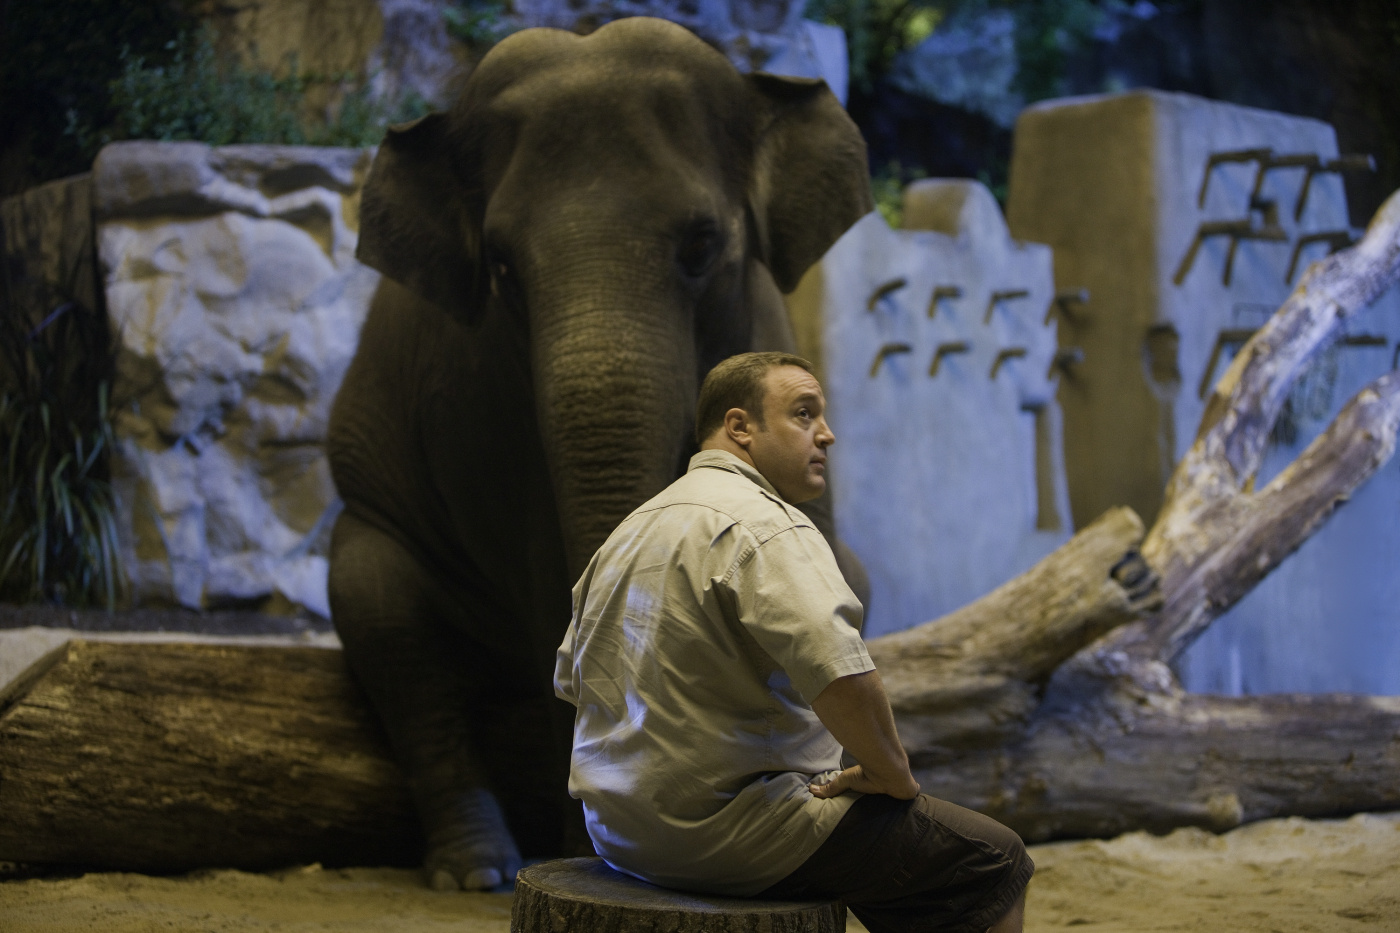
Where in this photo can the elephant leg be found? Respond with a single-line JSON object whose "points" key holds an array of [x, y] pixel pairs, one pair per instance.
{"points": [[392, 617], [819, 510]]}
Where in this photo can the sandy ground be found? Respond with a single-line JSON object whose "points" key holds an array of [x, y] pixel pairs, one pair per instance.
{"points": [[1278, 876]]}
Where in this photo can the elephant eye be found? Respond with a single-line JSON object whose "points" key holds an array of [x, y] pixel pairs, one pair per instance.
{"points": [[699, 250], [502, 277], [505, 286]]}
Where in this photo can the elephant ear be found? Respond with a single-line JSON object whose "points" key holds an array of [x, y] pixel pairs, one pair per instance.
{"points": [[811, 178], [415, 225]]}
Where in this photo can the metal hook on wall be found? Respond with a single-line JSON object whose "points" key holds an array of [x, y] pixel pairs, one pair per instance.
{"points": [[884, 291], [1062, 302], [1305, 160], [1363, 340], [1219, 158], [1010, 353], [1335, 240], [1064, 359], [888, 349], [1346, 163], [998, 297], [1236, 230], [939, 293], [946, 349]]}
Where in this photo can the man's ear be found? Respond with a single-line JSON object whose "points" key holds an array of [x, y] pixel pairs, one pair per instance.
{"points": [[415, 225], [738, 427], [811, 178]]}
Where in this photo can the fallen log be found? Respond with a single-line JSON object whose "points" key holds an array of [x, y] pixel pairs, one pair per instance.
{"points": [[1112, 742], [168, 757]]}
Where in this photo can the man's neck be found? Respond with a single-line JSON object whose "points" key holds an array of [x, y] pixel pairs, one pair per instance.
{"points": [[721, 441]]}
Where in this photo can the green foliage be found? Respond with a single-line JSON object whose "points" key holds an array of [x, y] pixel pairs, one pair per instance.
{"points": [[888, 187], [58, 533], [196, 94], [478, 23], [1048, 32], [361, 118], [997, 177], [878, 30]]}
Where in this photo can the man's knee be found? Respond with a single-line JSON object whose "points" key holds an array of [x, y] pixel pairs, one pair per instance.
{"points": [[981, 831]]}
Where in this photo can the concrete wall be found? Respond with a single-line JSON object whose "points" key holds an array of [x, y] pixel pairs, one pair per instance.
{"points": [[946, 485], [1113, 184]]}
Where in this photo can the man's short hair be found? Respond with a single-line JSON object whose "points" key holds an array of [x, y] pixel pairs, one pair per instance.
{"points": [[738, 382]]}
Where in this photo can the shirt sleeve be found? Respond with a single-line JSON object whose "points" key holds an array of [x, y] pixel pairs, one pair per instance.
{"points": [[565, 684], [791, 597]]}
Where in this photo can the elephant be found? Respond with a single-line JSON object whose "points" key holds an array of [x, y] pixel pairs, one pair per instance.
{"points": [[594, 223]]}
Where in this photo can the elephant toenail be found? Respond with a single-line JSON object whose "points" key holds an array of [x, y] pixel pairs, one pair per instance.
{"points": [[481, 878], [443, 880]]}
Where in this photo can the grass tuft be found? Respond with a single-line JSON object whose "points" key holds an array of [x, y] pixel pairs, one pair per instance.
{"points": [[58, 530]]}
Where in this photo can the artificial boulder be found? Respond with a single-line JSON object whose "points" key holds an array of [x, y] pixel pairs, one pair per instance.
{"points": [[235, 304]]}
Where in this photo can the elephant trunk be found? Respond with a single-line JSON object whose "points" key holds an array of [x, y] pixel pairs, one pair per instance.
{"points": [[615, 381]]}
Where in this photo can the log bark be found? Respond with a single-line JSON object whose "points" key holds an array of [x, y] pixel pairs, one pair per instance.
{"points": [[1168, 760], [168, 757], [973, 678], [1112, 742], [585, 894]]}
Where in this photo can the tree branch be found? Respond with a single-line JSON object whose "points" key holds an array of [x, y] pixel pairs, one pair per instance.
{"points": [[1242, 538], [1201, 542], [974, 676]]}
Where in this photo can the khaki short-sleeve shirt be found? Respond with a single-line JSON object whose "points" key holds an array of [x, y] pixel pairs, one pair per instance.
{"points": [[701, 631]]}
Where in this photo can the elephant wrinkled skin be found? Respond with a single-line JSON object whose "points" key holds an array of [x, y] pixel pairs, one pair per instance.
{"points": [[594, 224]]}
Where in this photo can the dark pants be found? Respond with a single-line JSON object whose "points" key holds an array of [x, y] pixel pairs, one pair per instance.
{"points": [[915, 866]]}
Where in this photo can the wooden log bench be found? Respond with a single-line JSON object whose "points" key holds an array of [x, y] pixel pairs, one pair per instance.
{"points": [[585, 895]]}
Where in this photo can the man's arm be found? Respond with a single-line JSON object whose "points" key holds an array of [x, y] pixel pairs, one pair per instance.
{"points": [[856, 711]]}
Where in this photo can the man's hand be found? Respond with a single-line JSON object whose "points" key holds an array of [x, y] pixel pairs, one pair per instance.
{"points": [[857, 712], [855, 779]]}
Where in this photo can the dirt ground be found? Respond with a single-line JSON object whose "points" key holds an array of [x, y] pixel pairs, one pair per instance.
{"points": [[1278, 876]]}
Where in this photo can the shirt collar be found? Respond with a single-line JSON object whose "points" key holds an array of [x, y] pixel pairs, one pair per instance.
{"points": [[724, 460]]}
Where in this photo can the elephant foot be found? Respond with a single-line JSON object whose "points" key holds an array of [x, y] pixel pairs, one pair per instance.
{"points": [[469, 846], [479, 879]]}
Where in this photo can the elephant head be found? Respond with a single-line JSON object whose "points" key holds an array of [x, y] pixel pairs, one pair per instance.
{"points": [[632, 204]]}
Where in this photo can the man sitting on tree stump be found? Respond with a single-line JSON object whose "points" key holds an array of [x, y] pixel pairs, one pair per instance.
{"points": [[716, 663]]}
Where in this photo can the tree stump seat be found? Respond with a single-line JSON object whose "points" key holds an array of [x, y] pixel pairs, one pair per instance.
{"points": [[585, 895]]}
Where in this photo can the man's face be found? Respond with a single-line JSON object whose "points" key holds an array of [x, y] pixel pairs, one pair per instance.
{"points": [[790, 449]]}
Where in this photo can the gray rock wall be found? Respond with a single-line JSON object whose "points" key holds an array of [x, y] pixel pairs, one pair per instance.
{"points": [[1122, 186], [400, 46], [949, 480], [235, 304]]}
